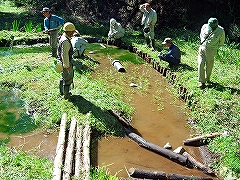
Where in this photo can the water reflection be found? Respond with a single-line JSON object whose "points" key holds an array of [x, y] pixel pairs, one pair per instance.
{"points": [[13, 118]]}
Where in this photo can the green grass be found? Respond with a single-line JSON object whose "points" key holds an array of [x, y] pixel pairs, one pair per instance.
{"points": [[19, 165]]}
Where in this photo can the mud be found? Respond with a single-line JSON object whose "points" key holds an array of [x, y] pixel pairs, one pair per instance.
{"points": [[159, 117]]}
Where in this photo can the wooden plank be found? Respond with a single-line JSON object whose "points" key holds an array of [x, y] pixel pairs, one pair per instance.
{"points": [[58, 161], [86, 151]]}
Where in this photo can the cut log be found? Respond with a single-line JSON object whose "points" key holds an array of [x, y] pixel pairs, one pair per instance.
{"points": [[200, 140], [67, 173], [120, 119], [181, 177], [86, 152], [139, 173], [78, 155], [157, 149], [198, 164], [58, 161]]}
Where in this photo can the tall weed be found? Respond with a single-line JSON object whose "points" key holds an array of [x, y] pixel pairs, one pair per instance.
{"points": [[15, 25], [29, 27]]}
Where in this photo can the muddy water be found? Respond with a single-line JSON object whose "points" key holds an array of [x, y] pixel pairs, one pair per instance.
{"points": [[159, 117]]}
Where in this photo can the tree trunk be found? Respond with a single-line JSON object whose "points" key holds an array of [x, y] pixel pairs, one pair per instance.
{"points": [[58, 161], [198, 164], [181, 177], [139, 173], [86, 152], [69, 151], [78, 155], [157, 149]]}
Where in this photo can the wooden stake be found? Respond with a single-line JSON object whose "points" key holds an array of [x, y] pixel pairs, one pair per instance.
{"points": [[58, 161], [139, 173], [86, 151], [78, 155], [69, 151], [200, 140]]}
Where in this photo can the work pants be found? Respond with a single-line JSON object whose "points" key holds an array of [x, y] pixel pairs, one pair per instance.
{"points": [[53, 40], [66, 81], [205, 58]]}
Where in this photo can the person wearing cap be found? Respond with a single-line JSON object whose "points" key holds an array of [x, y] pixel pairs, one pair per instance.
{"points": [[52, 24], [78, 44], [65, 52], [116, 30], [173, 56], [212, 37], [149, 20]]}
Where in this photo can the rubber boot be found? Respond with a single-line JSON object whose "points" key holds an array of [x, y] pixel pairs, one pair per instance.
{"points": [[148, 42], [66, 89], [61, 87], [153, 44], [54, 52]]}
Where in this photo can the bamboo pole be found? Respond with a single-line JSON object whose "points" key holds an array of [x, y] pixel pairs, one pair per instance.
{"points": [[58, 161], [78, 155], [86, 151], [69, 151]]}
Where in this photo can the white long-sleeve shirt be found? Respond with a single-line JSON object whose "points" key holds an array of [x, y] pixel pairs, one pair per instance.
{"points": [[116, 31], [148, 17], [215, 40]]}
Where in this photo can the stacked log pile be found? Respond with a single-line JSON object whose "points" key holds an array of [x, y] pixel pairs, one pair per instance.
{"points": [[72, 153]]}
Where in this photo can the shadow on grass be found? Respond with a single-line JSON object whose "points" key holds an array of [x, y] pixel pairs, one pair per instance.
{"points": [[103, 117], [183, 67], [222, 88]]}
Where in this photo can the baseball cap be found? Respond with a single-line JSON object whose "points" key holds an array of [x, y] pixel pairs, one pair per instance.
{"points": [[45, 9], [167, 40]]}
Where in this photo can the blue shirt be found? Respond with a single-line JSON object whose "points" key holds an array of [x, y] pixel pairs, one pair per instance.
{"points": [[174, 51], [55, 22]]}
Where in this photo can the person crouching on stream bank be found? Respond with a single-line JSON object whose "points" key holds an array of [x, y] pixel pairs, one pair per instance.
{"points": [[65, 52], [173, 56], [78, 44], [116, 31], [52, 24]]}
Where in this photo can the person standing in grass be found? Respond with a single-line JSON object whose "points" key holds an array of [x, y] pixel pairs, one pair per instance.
{"points": [[173, 56], [149, 20], [65, 52], [52, 24], [212, 37]]}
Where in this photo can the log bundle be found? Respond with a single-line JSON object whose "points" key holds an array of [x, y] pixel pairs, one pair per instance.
{"points": [[73, 151]]}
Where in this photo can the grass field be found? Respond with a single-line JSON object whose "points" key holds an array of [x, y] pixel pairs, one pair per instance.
{"points": [[214, 109]]}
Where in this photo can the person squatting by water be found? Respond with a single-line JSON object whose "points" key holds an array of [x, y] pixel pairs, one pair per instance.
{"points": [[52, 24], [65, 52], [212, 37], [78, 44], [173, 56], [149, 20]]}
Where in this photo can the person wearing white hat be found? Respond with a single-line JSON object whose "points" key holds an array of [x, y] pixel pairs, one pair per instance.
{"points": [[149, 20], [212, 37], [65, 52], [116, 30], [52, 24], [173, 56], [78, 44]]}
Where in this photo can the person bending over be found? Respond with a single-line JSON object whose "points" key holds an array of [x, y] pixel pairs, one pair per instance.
{"points": [[78, 44], [116, 30]]}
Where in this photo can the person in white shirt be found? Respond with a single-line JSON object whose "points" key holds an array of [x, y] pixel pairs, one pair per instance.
{"points": [[149, 20], [78, 44], [116, 30], [212, 37]]}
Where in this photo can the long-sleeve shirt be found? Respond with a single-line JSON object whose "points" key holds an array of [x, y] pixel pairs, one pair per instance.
{"points": [[53, 22], [174, 51], [215, 40], [148, 17], [116, 31]]}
